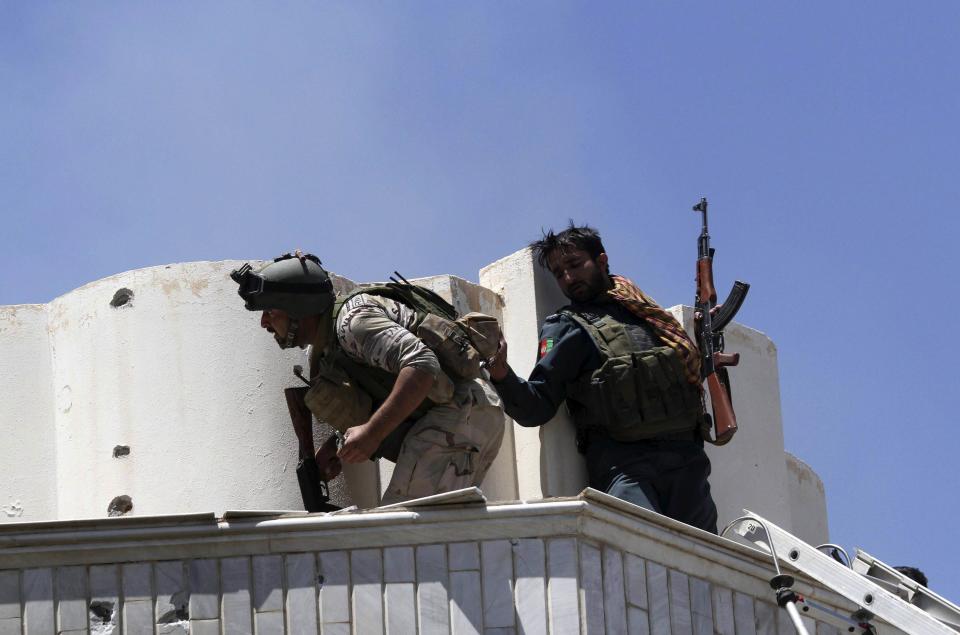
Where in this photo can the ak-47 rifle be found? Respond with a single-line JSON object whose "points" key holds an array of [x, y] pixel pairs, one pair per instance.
{"points": [[314, 469], [709, 330]]}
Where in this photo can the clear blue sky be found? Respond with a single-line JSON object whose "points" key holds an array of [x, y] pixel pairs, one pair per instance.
{"points": [[436, 137]]}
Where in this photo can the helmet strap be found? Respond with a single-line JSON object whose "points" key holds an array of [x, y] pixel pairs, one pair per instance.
{"points": [[293, 327]]}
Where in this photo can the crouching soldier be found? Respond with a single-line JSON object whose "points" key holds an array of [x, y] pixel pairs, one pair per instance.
{"points": [[374, 378]]}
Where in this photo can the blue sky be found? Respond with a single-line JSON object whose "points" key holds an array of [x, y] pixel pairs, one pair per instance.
{"points": [[436, 137]]}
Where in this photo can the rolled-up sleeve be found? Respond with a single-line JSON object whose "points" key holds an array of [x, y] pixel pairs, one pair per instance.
{"points": [[565, 351]]}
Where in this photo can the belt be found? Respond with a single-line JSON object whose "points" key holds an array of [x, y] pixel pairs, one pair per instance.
{"points": [[688, 435]]}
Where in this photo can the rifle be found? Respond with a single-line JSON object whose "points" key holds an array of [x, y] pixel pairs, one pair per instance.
{"points": [[311, 478], [709, 331]]}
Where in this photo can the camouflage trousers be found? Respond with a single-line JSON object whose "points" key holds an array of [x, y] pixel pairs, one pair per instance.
{"points": [[450, 447]]}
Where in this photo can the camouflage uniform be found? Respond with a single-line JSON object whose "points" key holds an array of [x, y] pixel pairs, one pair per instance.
{"points": [[454, 443]]}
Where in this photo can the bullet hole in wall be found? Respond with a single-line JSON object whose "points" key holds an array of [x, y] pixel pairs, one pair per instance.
{"points": [[121, 451], [180, 601], [120, 505], [123, 297], [13, 510], [101, 612]]}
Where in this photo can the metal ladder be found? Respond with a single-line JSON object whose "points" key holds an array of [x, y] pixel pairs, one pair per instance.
{"points": [[907, 589], [875, 589]]}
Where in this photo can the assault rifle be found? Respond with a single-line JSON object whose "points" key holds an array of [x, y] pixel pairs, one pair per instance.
{"points": [[314, 469], [709, 331]]}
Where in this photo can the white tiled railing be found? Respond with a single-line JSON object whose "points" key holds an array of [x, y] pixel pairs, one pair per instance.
{"points": [[584, 565]]}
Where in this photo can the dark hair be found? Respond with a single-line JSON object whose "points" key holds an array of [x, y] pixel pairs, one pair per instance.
{"points": [[573, 237], [914, 574]]}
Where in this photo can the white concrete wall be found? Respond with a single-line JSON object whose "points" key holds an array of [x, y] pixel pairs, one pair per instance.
{"points": [[809, 502], [547, 461], [750, 472], [28, 455], [184, 376]]}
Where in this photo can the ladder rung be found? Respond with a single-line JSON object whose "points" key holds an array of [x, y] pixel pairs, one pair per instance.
{"points": [[842, 580]]}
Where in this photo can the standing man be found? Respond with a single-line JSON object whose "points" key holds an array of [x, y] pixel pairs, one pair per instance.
{"points": [[630, 376], [375, 381]]}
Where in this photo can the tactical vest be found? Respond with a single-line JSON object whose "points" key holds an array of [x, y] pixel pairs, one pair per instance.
{"points": [[346, 392], [460, 343], [633, 395]]}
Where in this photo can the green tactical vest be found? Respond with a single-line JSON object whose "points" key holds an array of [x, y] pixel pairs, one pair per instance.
{"points": [[633, 395]]}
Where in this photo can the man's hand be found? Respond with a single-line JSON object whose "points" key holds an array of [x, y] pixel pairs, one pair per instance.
{"points": [[327, 460], [360, 442], [698, 315], [497, 365]]}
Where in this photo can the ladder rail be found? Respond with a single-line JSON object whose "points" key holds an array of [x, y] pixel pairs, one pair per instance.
{"points": [[856, 588], [919, 595]]}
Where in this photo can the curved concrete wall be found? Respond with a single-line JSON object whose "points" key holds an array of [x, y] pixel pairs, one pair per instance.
{"points": [[751, 472], [807, 496], [179, 375], [29, 454], [154, 384]]}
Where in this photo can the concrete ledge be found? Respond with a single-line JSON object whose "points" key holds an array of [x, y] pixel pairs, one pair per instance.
{"points": [[592, 546], [452, 516]]}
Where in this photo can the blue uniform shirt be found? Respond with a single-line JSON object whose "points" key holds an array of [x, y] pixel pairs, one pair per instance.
{"points": [[565, 353]]}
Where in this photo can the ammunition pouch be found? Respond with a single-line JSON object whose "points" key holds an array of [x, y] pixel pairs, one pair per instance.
{"points": [[461, 345], [334, 399], [452, 348], [639, 396], [344, 392], [484, 332]]}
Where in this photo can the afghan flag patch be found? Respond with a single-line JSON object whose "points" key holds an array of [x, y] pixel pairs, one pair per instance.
{"points": [[546, 344]]}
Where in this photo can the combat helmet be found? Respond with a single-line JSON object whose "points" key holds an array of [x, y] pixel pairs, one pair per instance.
{"points": [[294, 283]]}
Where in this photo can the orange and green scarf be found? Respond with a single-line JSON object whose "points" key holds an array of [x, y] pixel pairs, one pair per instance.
{"points": [[661, 321]]}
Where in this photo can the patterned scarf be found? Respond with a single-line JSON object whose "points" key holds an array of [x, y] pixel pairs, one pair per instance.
{"points": [[661, 321]]}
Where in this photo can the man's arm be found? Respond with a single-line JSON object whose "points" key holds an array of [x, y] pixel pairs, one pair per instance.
{"points": [[564, 351], [371, 334], [410, 389]]}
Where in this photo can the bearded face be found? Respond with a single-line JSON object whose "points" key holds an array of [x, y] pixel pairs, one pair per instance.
{"points": [[580, 277]]}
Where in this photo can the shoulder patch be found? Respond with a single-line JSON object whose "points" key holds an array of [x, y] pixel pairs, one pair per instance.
{"points": [[546, 345]]}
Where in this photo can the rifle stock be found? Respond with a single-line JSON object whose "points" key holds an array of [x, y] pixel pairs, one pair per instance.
{"points": [[311, 479], [724, 419], [301, 417]]}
